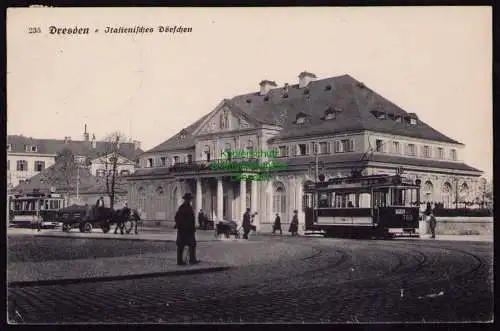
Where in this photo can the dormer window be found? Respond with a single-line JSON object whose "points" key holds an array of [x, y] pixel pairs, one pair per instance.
{"points": [[398, 118], [301, 118], [182, 134], [224, 119], [330, 113], [379, 114], [412, 119]]}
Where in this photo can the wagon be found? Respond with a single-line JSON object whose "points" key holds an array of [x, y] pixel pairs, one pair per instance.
{"points": [[82, 217], [227, 228]]}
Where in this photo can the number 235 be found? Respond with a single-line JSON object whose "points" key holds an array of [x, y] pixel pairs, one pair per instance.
{"points": [[34, 30]]}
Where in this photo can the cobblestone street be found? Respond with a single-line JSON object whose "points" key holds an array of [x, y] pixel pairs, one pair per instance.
{"points": [[339, 280]]}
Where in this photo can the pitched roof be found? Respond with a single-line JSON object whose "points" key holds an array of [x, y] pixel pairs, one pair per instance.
{"points": [[177, 141], [78, 147], [352, 100], [88, 182]]}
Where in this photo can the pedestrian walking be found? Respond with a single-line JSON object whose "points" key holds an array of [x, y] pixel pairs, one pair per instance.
{"points": [[432, 224], [247, 224], [428, 211], [277, 225], [186, 229], [294, 225]]}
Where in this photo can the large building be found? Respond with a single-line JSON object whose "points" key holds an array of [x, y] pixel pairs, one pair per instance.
{"points": [[27, 157], [339, 119]]}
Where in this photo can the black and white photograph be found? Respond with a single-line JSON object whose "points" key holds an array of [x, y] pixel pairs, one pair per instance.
{"points": [[260, 165]]}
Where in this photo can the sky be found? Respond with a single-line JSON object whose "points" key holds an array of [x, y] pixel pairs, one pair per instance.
{"points": [[433, 61]]}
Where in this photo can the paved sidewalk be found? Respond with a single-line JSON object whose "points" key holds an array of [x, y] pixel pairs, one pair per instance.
{"points": [[215, 256]]}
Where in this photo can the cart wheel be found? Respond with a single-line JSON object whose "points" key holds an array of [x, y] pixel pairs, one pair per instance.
{"points": [[66, 227], [105, 227], [87, 227]]}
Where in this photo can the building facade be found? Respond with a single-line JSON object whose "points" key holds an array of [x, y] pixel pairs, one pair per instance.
{"points": [[335, 125], [27, 157]]}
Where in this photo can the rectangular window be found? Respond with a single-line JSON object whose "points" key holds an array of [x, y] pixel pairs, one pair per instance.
{"points": [[453, 154], [396, 147], [27, 148], [22, 165], [347, 145], [315, 148], [101, 172], [323, 147], [302, 149], [440, 153], [9, 147], [189, 158], [411, 149], [175, 160], [124, 172], [39, 165], [283, 151], [427, 151], [379, 146], [163, 161]]}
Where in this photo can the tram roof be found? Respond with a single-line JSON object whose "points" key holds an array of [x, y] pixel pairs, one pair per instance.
{"points": [[364, 182]]}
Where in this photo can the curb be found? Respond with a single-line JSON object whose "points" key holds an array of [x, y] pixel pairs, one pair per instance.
{"points": [[69, 281], [115, 238]]}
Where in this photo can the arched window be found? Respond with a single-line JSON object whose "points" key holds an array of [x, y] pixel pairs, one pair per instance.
{"points": [[279, 198], [224, 120], [206, 153], [463, 192], [227, 150], [428, 190], [446, 197]]}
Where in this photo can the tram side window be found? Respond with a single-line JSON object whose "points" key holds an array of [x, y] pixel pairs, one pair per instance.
{"points": [[323, 201], [346, 200]]}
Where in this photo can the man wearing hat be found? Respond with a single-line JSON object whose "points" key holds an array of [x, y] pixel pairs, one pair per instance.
{"points": [[294, 225], [246, 224], [186, 228]]}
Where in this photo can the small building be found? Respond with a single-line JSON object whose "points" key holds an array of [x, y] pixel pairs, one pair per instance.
{"points": [[28, 156]]}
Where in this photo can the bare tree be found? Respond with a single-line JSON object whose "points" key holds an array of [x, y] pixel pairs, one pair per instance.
{"points": [[112, 160]]}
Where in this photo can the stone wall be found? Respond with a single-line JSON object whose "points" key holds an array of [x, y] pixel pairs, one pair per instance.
{"points": [[461, 226]]}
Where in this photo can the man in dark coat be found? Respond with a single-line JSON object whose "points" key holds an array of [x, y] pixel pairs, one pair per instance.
{"points": [[186, 228], [294, 225], [277, 224], [432, 224], [247, 224]]}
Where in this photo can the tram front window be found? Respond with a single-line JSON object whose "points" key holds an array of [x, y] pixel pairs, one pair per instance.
{"points": [[403, 196]]}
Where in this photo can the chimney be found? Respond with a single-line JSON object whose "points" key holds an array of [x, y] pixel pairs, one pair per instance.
{"points": [[305, 77], [94, 143], [265, 86], [85, 134], [67, 140], [137, 144]]}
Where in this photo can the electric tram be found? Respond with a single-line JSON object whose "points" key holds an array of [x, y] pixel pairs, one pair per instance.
{"points": [[24, 210], [377, 205]]}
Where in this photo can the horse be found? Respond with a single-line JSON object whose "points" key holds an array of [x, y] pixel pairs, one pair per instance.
{"points": [[108, 216]]}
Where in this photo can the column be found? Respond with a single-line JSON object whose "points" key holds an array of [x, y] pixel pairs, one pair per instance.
{"points": [[269, 197], [299, 192], [178, 196], [243, 199], [198, 195], [220, 194], [253, 202]]}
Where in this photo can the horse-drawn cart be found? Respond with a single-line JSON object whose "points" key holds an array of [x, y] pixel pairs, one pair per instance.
{"points": [[85, 218]]}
